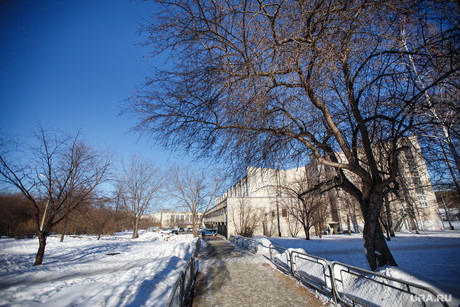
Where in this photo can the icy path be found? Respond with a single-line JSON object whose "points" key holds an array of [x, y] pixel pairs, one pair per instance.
{"points": [[229, 277]]}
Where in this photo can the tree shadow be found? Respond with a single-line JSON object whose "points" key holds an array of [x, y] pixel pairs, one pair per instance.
{"points": [[148, 286]]}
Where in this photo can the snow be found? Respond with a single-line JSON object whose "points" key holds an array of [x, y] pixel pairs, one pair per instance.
{"points": [[84, 271], [429, 258], [119, 271]]}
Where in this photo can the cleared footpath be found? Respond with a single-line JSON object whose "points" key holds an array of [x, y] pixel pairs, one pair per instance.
{"points": [[231, 277]]}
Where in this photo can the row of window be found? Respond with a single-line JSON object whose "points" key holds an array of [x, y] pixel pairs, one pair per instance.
{"points": [[414, 172], [283, 213], [217, 213], [182, 218], [422, 201]]}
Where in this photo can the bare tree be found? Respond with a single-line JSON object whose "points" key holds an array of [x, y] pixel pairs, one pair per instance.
{"points": [[260, 81], [293, 224], [193, 190], [449, 201], [308, 207], [270, 223], [140, 187], [245, 218], [61, 175]]}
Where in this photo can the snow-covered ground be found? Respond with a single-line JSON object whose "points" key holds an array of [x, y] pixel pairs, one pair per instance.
{"points": [[84, 271], [431, 256], [119, 271]]}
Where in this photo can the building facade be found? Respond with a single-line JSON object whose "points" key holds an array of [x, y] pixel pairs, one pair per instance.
{"points": [[267, 202], [174, 219]]}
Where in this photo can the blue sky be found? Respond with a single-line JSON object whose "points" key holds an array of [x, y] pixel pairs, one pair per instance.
{"points": [[71, 64]]}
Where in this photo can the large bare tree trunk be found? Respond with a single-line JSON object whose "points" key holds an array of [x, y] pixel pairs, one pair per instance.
{"points": [[377, 252], [328, 79], [307, 232]]}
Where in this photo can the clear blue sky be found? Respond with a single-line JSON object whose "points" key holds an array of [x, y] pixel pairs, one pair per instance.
{"points": [[71, 64]]}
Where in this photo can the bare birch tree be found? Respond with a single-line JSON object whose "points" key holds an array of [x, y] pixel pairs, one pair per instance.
{"points": [[257, 82], [140, 187], [61, 175], [193, 190]]}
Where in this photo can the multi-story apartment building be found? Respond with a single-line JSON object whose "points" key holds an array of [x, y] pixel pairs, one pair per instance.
{"points": [[266, 201]]}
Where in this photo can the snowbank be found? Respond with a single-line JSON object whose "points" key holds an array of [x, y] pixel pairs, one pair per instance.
{"points": [[429, 258], [84, 271]]}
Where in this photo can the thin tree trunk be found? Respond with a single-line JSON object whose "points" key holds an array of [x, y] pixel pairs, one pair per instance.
{"points": [[41, 248], [447, 213], [385, 226], [457, 186], [136, 227], [348, 224], [65, 228]]}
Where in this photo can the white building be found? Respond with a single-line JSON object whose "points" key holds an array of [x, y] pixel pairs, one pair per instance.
{"points": [[174, 219], [264, 200]]}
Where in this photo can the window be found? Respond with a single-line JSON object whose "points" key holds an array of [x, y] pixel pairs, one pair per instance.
{"points": [[284, 212], [421, 197], [422, 201], [417, 181]]}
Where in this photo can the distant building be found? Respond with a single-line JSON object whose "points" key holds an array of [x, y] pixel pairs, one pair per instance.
{"points": [[264, 198], [173, 219]]}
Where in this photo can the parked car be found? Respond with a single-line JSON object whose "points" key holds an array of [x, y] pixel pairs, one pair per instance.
{"points": [[166, 231], [190, 229], [181, 229], [174, 231], [209, 232]]}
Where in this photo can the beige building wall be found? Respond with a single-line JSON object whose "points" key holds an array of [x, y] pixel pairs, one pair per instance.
{"points": [[259, 196], [174, 219]]}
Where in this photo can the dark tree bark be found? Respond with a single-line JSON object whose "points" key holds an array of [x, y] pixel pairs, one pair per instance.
{"points": [[41, 248]]}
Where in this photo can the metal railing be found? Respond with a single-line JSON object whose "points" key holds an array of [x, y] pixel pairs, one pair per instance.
{"points": [[281, 258], [313, 271], [350, 285], [182, 292], [245, 243], [380, 290]]}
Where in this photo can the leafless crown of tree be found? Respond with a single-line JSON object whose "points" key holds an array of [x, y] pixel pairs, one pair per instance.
{"points": [[256, 82]]}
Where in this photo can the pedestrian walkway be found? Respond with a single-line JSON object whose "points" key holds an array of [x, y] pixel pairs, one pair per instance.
{"points": [[231, 277]]}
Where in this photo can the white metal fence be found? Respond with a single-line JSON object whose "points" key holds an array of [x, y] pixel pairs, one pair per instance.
{"points": [[350, 285]]}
